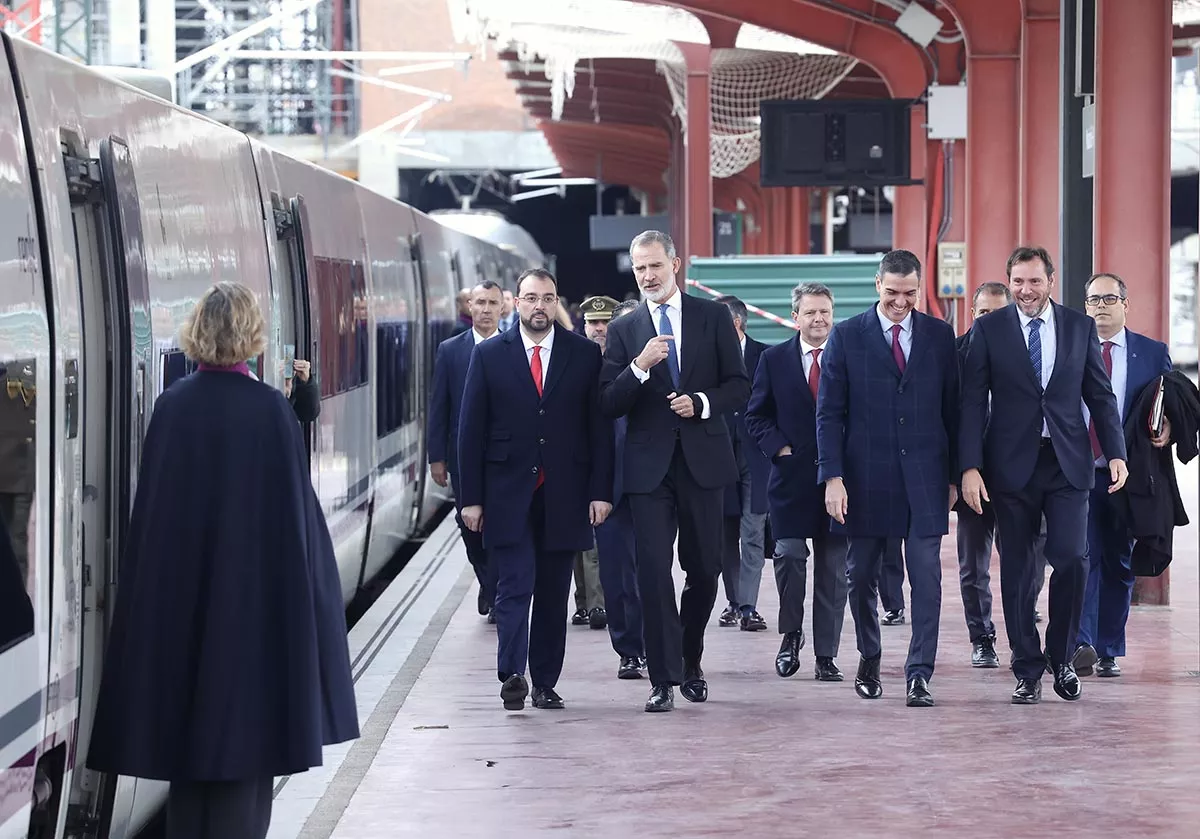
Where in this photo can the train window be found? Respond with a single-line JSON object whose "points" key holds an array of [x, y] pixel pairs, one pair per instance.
{"points": [[344, 343], [18, 435]]}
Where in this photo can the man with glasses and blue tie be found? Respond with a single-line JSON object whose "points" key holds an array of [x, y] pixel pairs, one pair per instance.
{"points": [[674, 368], [1033, 457]]}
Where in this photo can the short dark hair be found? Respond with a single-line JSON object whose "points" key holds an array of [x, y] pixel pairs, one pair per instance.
{"points": [[540, 273], [1029, 254], [1120, 283], [901, 263], [998, 289], [736, 307], [488, 285]]}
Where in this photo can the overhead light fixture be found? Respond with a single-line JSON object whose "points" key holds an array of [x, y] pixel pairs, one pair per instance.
{"points": [[538, 193], [558, 182]]}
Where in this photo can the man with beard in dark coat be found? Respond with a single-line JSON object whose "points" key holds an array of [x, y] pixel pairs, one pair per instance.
{"points": [[227, 664]]}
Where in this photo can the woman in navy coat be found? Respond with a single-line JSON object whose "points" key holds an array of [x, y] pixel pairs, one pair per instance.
{"points": [[228, 663]]}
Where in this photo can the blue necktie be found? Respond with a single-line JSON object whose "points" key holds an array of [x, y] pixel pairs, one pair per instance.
{"points": [[1035, 347], [664, 328]]}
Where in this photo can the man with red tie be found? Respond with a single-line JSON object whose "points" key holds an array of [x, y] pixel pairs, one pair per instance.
{"points": [[782, 418], [536, 469]]}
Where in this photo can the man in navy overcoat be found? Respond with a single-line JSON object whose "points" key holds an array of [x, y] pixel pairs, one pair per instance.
{"points": [[887, 419], [445, 402], [535, 470]]}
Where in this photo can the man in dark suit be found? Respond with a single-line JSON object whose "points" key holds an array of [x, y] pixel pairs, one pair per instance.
{"points": [[1037, 361], [535, 462], [782, 417], [449, 377], [618, 556], [745, 501], [1133, 361], [674, 368], [887, 420]]}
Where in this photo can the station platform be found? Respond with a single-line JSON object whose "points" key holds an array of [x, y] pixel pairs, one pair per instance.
{"points": [[764, 756]]}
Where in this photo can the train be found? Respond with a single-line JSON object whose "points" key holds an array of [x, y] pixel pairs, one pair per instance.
{"points": [[120, 209]]}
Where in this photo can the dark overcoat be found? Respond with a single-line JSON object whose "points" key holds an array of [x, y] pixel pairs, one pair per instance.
{"points": [[228, 657]]}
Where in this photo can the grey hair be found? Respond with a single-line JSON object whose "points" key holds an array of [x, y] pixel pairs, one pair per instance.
{"points": [[625, 307], [736, 308], [994, 288], [653, 237], [804, 289]]}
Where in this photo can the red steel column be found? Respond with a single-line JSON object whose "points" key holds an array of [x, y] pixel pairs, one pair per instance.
{"points": [[1040, 135], [1133, 173], [698, 221], [993, 117], [908, 209]]}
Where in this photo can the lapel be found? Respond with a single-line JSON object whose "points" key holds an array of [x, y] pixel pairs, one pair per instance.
{"points": [[1014, 328], [1061, 344], [920, 345], [693, 325], [793, 360], [462, 356], [560, 357], [1136, 373], [876, 343], [643, 330], [520, 364]]}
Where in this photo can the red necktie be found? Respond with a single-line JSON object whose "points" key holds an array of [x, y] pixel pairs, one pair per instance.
{"points": [[1106, 352], [814, 374], [535, 366], [897, 351]]}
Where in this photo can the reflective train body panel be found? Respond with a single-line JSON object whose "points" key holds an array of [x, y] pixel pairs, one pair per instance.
{"points": [[118, 211]]}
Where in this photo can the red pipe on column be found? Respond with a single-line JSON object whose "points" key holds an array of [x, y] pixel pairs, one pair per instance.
{"points": [[935, 220]]}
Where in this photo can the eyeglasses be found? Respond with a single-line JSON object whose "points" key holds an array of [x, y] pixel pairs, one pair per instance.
{"points": [[1106, 299], [545, 299]]}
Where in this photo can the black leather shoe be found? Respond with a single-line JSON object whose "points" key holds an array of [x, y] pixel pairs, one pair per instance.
{"points": [[866, 683], [1027, 692], [580, 618], [597, 618], [631, 667], [513, 692], [1108, 668], [983, 653], [826, 670], [1066, 683], [694, 688], [753, 622], [893, 617], [481, 603], [492, 616], [918, 693], [730, 617], [546, 699], [662, 698], [787, 662], [1037, 616], [1084, 659]]}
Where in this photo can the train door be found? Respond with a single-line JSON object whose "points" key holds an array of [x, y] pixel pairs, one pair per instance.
{"points": [[113, 300], [296, 334], [423, 376]]}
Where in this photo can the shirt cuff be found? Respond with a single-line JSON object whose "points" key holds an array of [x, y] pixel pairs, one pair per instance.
{"points": [[642, 375], [704, 414]]}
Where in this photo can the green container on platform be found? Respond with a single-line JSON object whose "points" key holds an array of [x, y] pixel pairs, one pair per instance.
{"points": [[767, 282]]}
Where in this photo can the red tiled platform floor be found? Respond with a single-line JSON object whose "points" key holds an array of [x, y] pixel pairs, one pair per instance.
{"points": [[769, 757]]}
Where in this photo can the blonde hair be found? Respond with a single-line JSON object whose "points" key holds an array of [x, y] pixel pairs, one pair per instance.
{"points": [[225, 328]]}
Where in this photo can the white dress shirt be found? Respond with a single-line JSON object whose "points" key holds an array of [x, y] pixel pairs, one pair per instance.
{"points": [[806, 357], [1120, 380], [905, 331], [1049, 335], [479, 339], [547, 345], [675, 318]]}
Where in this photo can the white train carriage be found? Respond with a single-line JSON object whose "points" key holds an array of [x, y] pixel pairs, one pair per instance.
{"points": [[119, 210]]}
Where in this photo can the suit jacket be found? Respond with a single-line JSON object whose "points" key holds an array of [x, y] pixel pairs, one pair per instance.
{"points": [[620, 426], [1145, 360], [710, 362], [890, 437], [445, 402], [1005, 447], [781, 413], [506, 432], [745, 447]]}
